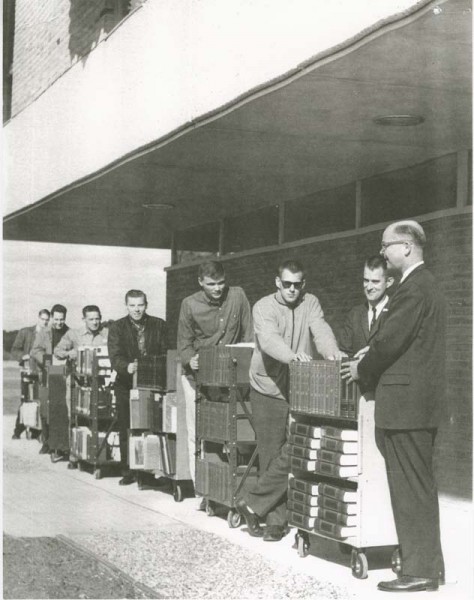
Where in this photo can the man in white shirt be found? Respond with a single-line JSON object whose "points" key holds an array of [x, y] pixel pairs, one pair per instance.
{"points": [[363, 320]]}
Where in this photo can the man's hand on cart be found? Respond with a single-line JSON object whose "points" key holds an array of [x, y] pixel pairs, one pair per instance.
{"points": [[132, 367], [194, 362], [339, 355], [349, 370]]}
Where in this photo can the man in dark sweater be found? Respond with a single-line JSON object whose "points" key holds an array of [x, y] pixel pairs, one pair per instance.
{"points": [[130, 338], [43, 346]]}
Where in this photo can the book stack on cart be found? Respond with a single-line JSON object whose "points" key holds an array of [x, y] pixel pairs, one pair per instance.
{"points": [[313, 504]]}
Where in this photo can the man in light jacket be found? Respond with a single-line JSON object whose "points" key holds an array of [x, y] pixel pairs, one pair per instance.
{"points": [[289, 325]]}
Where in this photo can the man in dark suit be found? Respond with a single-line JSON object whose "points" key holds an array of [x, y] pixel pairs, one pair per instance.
{"points": [[136, 335], [405, 364], [362, 321], [21, 352]]}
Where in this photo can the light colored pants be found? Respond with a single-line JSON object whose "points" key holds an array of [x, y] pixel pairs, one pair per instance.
{"points": [[189, 389]]}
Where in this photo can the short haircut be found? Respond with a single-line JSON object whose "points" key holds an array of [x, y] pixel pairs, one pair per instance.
{"points": [[212, 269], [90, 308], [376, 262], [44, 311], [294, 266], [135, 294], [413, 229], [60, 309]]}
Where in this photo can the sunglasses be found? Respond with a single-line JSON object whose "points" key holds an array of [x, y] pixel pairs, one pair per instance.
{"points": [[297, 284]]}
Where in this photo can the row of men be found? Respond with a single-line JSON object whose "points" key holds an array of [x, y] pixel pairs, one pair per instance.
{"points": [[398, 349]]}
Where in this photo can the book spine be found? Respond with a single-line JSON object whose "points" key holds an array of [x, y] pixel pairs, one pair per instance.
{"points": [[306, 487], [337, 458], [339, 434], [298, 496], [333, 530], [309, 511], [336, 517], [302, 452], [299, 520], [339, 445], [338, 493], [337, 505], [305, 430], [302, 464]]}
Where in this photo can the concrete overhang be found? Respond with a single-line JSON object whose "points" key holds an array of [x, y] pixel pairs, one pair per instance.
{"points": [[232, 117]]}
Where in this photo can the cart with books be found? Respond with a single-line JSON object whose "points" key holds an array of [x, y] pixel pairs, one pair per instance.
{"points": [[29, 407], [158, 440], [93, 436], [338, 486], [226, 449]]}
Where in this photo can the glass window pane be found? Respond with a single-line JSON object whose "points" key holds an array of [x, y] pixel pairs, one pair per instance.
{"points": [[327, 211], [410, 192], [251, 230]]}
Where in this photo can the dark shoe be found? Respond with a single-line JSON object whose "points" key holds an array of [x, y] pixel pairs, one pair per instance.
{"points": [[127, 480], [15, 436], [273, 533], [251, 519], [406, 583], [44, 449]]}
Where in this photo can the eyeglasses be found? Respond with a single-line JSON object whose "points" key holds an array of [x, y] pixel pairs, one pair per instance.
{"points": [[385, 245], [297, 284]]}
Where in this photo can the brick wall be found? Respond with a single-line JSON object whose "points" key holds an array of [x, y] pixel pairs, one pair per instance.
{"points": [[334, 274], [52, 35]]}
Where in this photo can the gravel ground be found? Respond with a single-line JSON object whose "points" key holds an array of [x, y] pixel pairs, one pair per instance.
{"points": [[188, 563], [20, 464], [47, 568]]}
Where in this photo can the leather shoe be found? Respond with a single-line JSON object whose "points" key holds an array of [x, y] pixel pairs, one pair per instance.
{"points": [[273, 533], [251, 519], [127, 480], [406, 583], [15, 436], [44, 449]]}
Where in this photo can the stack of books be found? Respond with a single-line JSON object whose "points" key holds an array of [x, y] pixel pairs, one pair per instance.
{"points": [[338, 455], [337, 511], [303, 445], [303, 502]]}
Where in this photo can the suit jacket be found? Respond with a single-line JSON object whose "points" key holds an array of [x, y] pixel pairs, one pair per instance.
{"points": [[123, 346], [23, 342], [43, 344], [354, 333], [406, 361]]}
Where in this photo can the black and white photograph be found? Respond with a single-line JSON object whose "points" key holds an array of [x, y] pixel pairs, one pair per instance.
{"points": [[237, 299]]}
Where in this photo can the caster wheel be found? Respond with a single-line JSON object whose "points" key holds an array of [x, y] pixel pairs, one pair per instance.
{"points": [[29, 435], [178, 493], [303, 545], [72, 465], [234, 519], [80, 466], [210, 511], [97, 474], [359, 564], [397, 561]]}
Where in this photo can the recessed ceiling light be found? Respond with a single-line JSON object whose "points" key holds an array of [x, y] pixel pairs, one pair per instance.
{"points": [[159, 205], [399, 120]]}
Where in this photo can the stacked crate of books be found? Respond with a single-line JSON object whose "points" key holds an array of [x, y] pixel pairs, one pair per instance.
{"points": [[156, 415], [337, 485], [93, 412], [225, 438]]}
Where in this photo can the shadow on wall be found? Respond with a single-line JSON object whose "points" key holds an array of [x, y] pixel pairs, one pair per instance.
{"points": [[91, 20]]}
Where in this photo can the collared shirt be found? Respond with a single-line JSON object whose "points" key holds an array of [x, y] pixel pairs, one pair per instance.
{"points": [[281, 332], [203, 322], [139, 330], [378, 309], [74, 338], [410, 269]]}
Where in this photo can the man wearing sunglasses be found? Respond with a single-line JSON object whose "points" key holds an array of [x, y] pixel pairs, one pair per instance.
{"points": [[405, 364], [289, 325]]}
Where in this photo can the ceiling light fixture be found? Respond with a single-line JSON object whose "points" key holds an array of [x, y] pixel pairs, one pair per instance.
{"points": [[159, 206], [399, 120]]}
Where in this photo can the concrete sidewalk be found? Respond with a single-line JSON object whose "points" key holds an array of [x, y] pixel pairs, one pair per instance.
{"points": [[45, 499]]}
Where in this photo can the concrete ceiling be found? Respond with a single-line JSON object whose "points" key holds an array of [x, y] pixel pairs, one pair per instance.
{"points": [[314, 132]]}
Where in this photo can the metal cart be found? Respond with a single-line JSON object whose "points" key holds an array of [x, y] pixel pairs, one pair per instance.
{"points": [[225, 439], [320, 399], [158, 434], [29, 407], [93, 414]]}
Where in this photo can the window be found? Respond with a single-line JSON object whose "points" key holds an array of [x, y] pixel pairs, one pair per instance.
{"points": [[197, 242]]}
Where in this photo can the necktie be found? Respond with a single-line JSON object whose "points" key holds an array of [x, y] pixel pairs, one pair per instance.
{"points": [[374, 318]]}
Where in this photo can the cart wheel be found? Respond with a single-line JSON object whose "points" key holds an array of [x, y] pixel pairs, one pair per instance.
{"points": [[234, 519], [178, 493], [302, 545], [28, 434], [397, 561], [359, 564], [97, 474], [210, 510]]}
